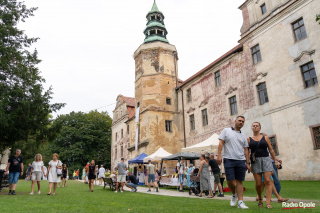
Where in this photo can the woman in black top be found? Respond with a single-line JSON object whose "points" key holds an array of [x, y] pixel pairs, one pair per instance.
{"points": [[64, 175], [261, 163], [91, 175]]}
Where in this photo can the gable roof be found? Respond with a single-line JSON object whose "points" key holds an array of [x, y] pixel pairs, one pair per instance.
{"points": [[129, 101]]}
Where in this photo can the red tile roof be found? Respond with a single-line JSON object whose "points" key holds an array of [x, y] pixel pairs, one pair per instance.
{"points": [[129, 101], [236, 49], [131, 112]]}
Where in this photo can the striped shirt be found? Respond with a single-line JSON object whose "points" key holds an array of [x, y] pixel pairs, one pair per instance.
{"points": [[234, 143]]}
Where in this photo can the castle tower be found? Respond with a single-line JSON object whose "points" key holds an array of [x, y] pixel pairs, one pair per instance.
{"points": [[156, 78]]}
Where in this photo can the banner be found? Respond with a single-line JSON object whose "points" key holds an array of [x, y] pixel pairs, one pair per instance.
{"points": [[137, 127]]}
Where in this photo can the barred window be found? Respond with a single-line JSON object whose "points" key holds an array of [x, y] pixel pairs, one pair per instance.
{"points": [[204, 117], [192, 122], [168, 126], [189, 97], [233, 105], [217, 78], [256, 55], [274, 144], [315, 133], [262, 92], [299, 29], [168, 101], [309, 75]]}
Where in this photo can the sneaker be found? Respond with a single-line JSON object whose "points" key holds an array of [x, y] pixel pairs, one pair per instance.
{"points": [[220, 195], [133, 190], [157, 189], [149, 190], [39, 192], [233, 201], [10, 192], [180, 190], [121, 191], [31, 193], [115, 191], [13, 193], [242, 206]]}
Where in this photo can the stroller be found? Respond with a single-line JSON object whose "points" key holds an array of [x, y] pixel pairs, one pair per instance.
{"points": [[195, 183]]}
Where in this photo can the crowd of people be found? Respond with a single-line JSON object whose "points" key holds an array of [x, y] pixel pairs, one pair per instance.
{"points": [[241, 154]]}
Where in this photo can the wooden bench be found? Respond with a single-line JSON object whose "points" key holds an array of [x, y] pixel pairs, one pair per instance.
{"points": [[109, 182]]}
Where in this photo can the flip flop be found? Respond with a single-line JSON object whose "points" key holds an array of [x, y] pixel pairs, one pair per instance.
{"points": [[283, 200]]}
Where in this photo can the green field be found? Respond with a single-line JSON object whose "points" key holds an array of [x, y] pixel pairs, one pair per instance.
{"points": [[76, 198]]}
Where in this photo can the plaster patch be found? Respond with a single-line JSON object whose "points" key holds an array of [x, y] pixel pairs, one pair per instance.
{"points": [[300, 46]]}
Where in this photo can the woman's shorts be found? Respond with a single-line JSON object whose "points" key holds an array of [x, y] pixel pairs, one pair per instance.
{"points": [[262, 164], [91, 176], [64, 175], [36, 176], [13, 177]]}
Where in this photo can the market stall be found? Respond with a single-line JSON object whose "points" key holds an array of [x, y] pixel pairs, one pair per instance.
{"points": [[172, 179], [157, 156], [140, 170], [208, 146]]}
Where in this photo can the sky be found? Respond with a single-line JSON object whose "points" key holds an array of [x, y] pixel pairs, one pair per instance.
{"points": [[87, 47]]}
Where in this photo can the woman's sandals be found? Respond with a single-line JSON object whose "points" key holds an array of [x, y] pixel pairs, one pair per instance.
{"points": [[269, 206], [260, 204]]}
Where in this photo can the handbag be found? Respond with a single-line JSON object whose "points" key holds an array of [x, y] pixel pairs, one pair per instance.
{"points": [[59, 171]]}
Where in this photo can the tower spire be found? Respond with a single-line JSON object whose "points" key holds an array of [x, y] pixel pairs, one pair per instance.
{"points": [[155, 30]]}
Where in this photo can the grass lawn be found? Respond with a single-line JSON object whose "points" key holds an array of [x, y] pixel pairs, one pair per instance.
{"points": [[76, 198]]}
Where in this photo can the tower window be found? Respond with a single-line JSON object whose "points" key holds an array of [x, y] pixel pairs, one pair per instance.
{"points": [[153, 17], [168, 101], [121, 133], [152, 32], [122, 151], [217, 78], [116, 153], [315, 133], [159, 32], [256, 55], [263, 9], [204, 117], [116, 137], [168, 126], [128, 129], [262, 92]]}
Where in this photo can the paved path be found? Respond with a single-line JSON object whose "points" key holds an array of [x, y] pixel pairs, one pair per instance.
{"points": [[176, 193]]}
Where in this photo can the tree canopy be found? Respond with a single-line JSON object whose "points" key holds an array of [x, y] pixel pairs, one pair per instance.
{"points": [[24, 103], [82, 137]]}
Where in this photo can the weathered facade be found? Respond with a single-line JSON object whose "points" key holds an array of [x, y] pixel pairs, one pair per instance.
{"points": [[270, 77]]}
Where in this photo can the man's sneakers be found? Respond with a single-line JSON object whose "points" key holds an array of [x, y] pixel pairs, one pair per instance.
{"points": [[13, 192], [157, 189], [220, 195], [241, 205], [10, 192], [149, 190], [133, 190], [121, 191], [233, 201], [116, 191]]}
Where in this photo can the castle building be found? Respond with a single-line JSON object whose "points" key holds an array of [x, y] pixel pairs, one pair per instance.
{"points": [[271, 77]]}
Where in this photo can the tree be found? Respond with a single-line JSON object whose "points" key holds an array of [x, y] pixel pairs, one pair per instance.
{"points": [[82, 137], [24, 104]]}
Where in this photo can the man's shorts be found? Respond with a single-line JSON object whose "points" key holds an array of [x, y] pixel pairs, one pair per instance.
{"points": [[121, 178], [216, 178], [132, 185], [151, 178], [235, 169], [181, 177], [13, 177], [36, 176]]}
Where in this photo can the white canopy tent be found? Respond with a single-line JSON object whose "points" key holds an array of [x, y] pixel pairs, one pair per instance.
{"points": [[158, 155], [210, 145]]}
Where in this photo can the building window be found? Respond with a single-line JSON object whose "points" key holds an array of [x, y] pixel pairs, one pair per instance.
{"points": [[309, 75], [168, 126], [121, 133], [315, 133], [192, 122], [299, 30], [204, 117], [263, 94], [116, 153], [274, 144], [233, 105], [122, 151], [256, 55], [128, 129], [116, 136], [263, 9], [189, 97], [168, 101], [217, 78]]}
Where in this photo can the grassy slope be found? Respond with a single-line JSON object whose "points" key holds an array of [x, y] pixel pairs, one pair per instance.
{"points": [[77, 198]]}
